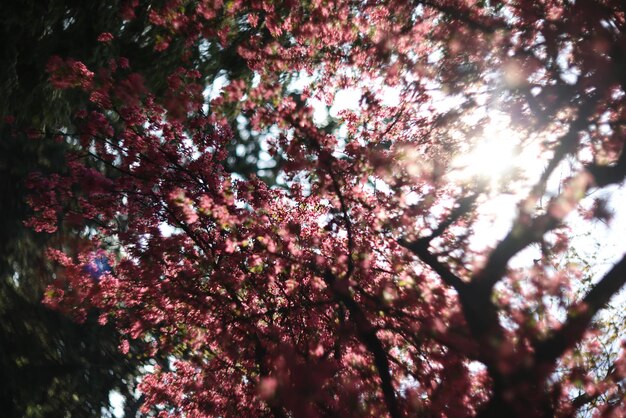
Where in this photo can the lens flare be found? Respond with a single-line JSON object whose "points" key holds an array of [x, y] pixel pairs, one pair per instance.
{"points": [[497, 154]]}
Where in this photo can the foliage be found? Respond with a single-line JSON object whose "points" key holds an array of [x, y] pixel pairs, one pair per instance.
{"points": [[358, 281], [50, 366]]}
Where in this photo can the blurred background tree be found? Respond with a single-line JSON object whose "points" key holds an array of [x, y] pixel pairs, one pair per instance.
{"points": [[50, 366]]}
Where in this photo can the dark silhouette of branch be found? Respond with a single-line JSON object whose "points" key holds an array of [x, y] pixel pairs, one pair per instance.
{"points": [[580, 315], [465, 17], [612, 174], [367, 334], [420, 249], [520, 236]]}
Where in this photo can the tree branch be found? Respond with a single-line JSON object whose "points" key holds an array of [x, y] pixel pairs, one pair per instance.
{"points": [[346, 220], [580, 316], [606, 175], [520, 236], [464, 205], [367, 334], [420, 249], [465, 17], [259, 357], [567, 144]]}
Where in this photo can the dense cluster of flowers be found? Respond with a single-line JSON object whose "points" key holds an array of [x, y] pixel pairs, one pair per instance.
{"points": [[354, 287]]}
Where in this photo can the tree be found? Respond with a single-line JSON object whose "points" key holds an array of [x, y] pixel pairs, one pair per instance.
{"points": [[360, 283], [50, 365]]}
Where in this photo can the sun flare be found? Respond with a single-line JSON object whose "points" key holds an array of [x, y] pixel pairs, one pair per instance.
{"points": [[501, 150], [506, 162]]}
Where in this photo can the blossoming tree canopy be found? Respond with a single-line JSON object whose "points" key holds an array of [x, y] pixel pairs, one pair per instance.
{"points": [[366, 281]]}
